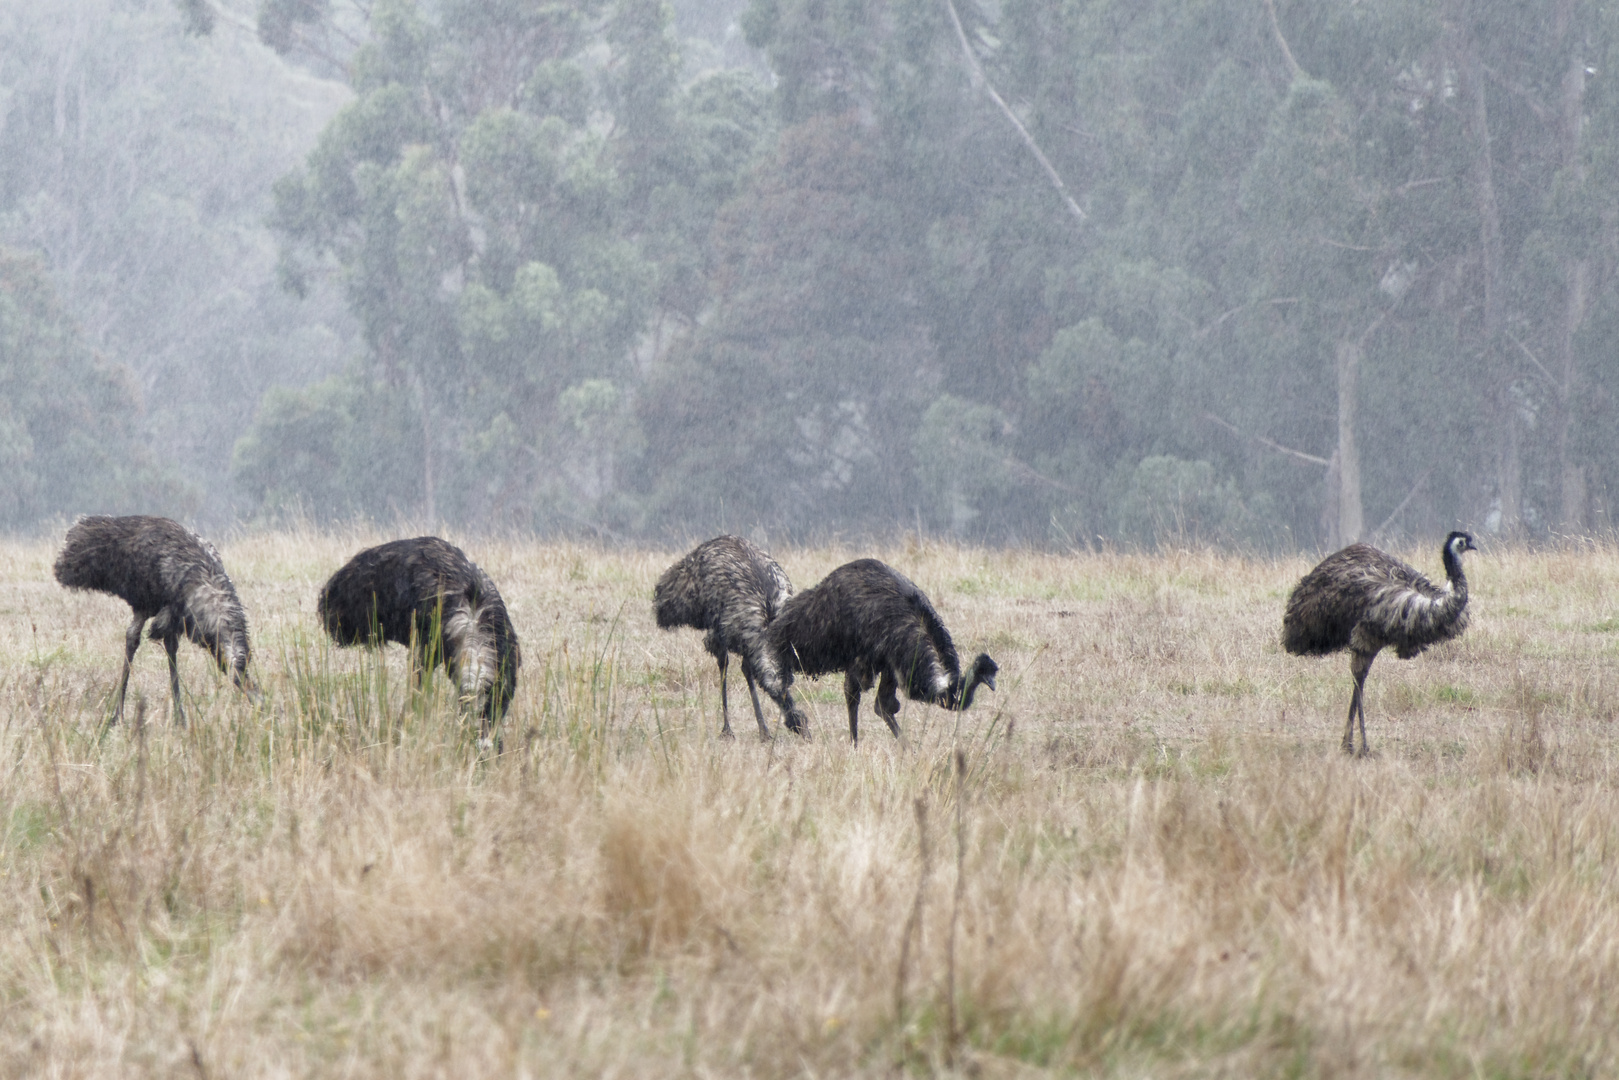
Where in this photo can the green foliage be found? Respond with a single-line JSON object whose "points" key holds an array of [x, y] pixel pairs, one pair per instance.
{"points": [[1172, 502], [342, 447], [503, 248], [134, 160], [71, 431], [629, 298], [961, 460]]}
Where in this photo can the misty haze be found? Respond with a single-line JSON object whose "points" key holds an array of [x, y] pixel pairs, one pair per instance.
{"points": [[1004, 272], [894, 471]]}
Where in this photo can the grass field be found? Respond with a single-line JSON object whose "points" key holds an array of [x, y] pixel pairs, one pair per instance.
{"points": [[1148, 859]]}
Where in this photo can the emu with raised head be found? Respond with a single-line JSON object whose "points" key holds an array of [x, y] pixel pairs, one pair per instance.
{"points": [[870, 622], [165, 573], [1366, 600]]}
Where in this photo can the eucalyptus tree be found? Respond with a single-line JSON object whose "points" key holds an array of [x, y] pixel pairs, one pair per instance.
{"points": [[136, 160], [514, 202], [71, 432]]}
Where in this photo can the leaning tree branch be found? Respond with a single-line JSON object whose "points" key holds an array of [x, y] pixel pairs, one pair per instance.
{"points": [[1287, 54], [980, 79], [1023, 471], [1261, 440], [1416, 487], [1533, 359]]}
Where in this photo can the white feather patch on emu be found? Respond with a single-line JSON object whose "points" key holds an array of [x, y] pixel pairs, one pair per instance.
{"points": [[472, 648]]}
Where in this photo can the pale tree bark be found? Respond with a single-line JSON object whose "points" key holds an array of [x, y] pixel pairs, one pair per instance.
{"points": [[1509, 467], [1343, 475], [978, 78], [1343, 517], [1351, 517], [1330, 506], [429, 490], [1576, 272]]}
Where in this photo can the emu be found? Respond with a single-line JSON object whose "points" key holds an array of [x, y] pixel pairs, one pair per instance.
{"points": [[869, 621], [165, 573], [1365, 600], [731, 588], [427, 595]]}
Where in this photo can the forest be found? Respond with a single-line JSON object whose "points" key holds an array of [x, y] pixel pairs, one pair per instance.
{"points": [[1260, 273]]}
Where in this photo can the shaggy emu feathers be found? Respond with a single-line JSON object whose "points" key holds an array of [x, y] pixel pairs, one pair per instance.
{"points": [[168, 574], [1365, 600], [426, 594], [870, 622], [732, 589], [1362, 587]]}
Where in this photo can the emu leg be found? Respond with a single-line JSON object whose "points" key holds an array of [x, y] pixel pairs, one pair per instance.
{"points": [[132, 641], [888, 700], [724, 659], [851, 697], [753, 692], [171, 645], [1359, 664]]}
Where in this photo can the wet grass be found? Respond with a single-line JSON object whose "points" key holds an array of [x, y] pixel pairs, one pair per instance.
{"points": [[1150, 859]]}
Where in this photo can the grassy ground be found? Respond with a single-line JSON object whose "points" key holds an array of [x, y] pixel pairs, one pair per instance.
{"points": [[1149, 857]]}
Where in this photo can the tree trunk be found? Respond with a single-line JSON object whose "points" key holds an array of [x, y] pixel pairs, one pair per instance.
{"points": [[429, 495], [1509, 468], [1330, 532], [1576, 289], [1351, 519], [1571, 474]]}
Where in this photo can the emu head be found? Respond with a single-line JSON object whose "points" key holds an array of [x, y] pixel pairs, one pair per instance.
{"points": [[983, 670], [797, 720], [1458, 542], [1455, 544]]}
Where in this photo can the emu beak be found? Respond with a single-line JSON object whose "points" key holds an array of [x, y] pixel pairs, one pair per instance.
{"points": [[989, 681]]}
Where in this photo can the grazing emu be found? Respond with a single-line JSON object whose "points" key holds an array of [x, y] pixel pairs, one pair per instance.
{"points": [[428, 596], [732, 589], [1364, 600], [868, 620], [168, 574]]}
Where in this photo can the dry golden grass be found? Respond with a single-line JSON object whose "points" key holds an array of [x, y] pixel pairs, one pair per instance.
{"points": [[1165, 865]]}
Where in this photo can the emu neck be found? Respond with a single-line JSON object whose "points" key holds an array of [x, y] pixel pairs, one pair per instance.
{"points": [[1453, 571], [1458, 581]]}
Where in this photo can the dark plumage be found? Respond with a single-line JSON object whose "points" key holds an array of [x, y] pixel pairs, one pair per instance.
{"points": [[732, 589], [1365, 600], [427, 595], [869, 621], [168, 574]]}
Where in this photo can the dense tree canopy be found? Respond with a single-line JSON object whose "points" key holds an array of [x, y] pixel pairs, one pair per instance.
{"points": [[135, 159], [70, 422], [1270, 273]]}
